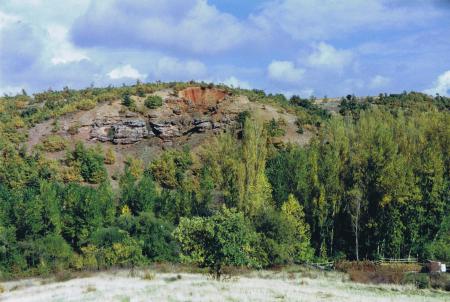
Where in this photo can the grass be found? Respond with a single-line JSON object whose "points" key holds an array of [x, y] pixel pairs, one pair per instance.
{"points": [[148, 276]]}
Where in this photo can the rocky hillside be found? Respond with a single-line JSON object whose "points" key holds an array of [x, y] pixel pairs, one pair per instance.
{"points": [[187, 117]]}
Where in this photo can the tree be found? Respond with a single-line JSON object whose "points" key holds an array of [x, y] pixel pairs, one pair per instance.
{"points": [[255, 190], [226, 238], [138, 195], [293, 212], [90, 162], [128, 101]]}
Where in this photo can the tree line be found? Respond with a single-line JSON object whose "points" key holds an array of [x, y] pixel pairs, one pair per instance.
{"points": [[373, 182]]}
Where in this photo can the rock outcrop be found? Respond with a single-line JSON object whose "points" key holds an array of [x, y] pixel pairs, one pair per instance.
{"points": [[118, 131], [166, 130], [194, 110]]}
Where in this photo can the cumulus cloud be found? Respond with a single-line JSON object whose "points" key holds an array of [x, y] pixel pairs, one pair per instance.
{"points": [[126, 71], [379, 81], [62, 50], [327, 56], [285, 71], [189, 25], [170, 68], [441, 85], [235, 82]]}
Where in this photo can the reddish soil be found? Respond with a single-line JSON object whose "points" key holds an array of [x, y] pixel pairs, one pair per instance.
{"points": [[203, 96]]}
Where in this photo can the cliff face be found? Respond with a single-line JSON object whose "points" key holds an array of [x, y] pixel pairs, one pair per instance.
{"points": [[194, 110]]}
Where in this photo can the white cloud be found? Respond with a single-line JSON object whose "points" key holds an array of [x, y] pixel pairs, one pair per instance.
{"points": [[304, 93], [62, 50], [285, 71], [175, 69], [235, 82], [126, 71], [308, 20], [379, 81], [441, 85], [189, 25], [327, 56]]}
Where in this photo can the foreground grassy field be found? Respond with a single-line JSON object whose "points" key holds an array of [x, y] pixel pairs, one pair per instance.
{"points": [[286, 285]]}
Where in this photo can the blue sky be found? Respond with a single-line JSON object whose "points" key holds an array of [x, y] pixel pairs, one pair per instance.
{"points": [[306, 47]]}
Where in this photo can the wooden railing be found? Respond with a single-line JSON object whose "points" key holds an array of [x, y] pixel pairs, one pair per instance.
{"points": [[393, 260]]}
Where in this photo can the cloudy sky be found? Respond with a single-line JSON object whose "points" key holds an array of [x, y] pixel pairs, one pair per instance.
{"points": [[306, 47]]}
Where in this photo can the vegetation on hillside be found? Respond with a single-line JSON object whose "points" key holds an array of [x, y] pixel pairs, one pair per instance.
{"points": [[373, 183]]}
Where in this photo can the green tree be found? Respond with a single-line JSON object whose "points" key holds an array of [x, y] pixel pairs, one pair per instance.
{"points": [[226, 238], [292, 211], [255, 191]]}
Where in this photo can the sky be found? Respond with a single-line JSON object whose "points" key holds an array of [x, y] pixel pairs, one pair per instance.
{"points": [[306, 47]]}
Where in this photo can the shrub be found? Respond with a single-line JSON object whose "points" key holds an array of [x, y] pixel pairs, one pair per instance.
{"points": [[54, 252], [370, 272], [73, 129], [153, 102], [54, 143], [128, 101], [111, 247], [276, 128], [110, 156], [86, 104]]}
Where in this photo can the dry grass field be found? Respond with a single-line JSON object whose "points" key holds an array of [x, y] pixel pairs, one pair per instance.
{"points": [[286, 285]]}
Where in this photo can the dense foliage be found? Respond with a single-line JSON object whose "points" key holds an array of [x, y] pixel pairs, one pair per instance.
{"points": [[373, 182]]}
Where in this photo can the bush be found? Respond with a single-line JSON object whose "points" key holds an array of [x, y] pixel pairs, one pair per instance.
{"points": [[112, 247], [128, 101], [110, 157], [153, 102], [276, 128], [370, 272], [86, 104], [420, 280], [54, 252], [73, 129], [54, 143]]}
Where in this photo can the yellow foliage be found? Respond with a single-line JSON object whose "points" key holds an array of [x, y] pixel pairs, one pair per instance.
{"points": [[77, 262], [89, 256], [110, 156], [71, 174], [86, 104], [17, 122], [21, 104], [135, 166], [125, 211], [54, 143]]}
